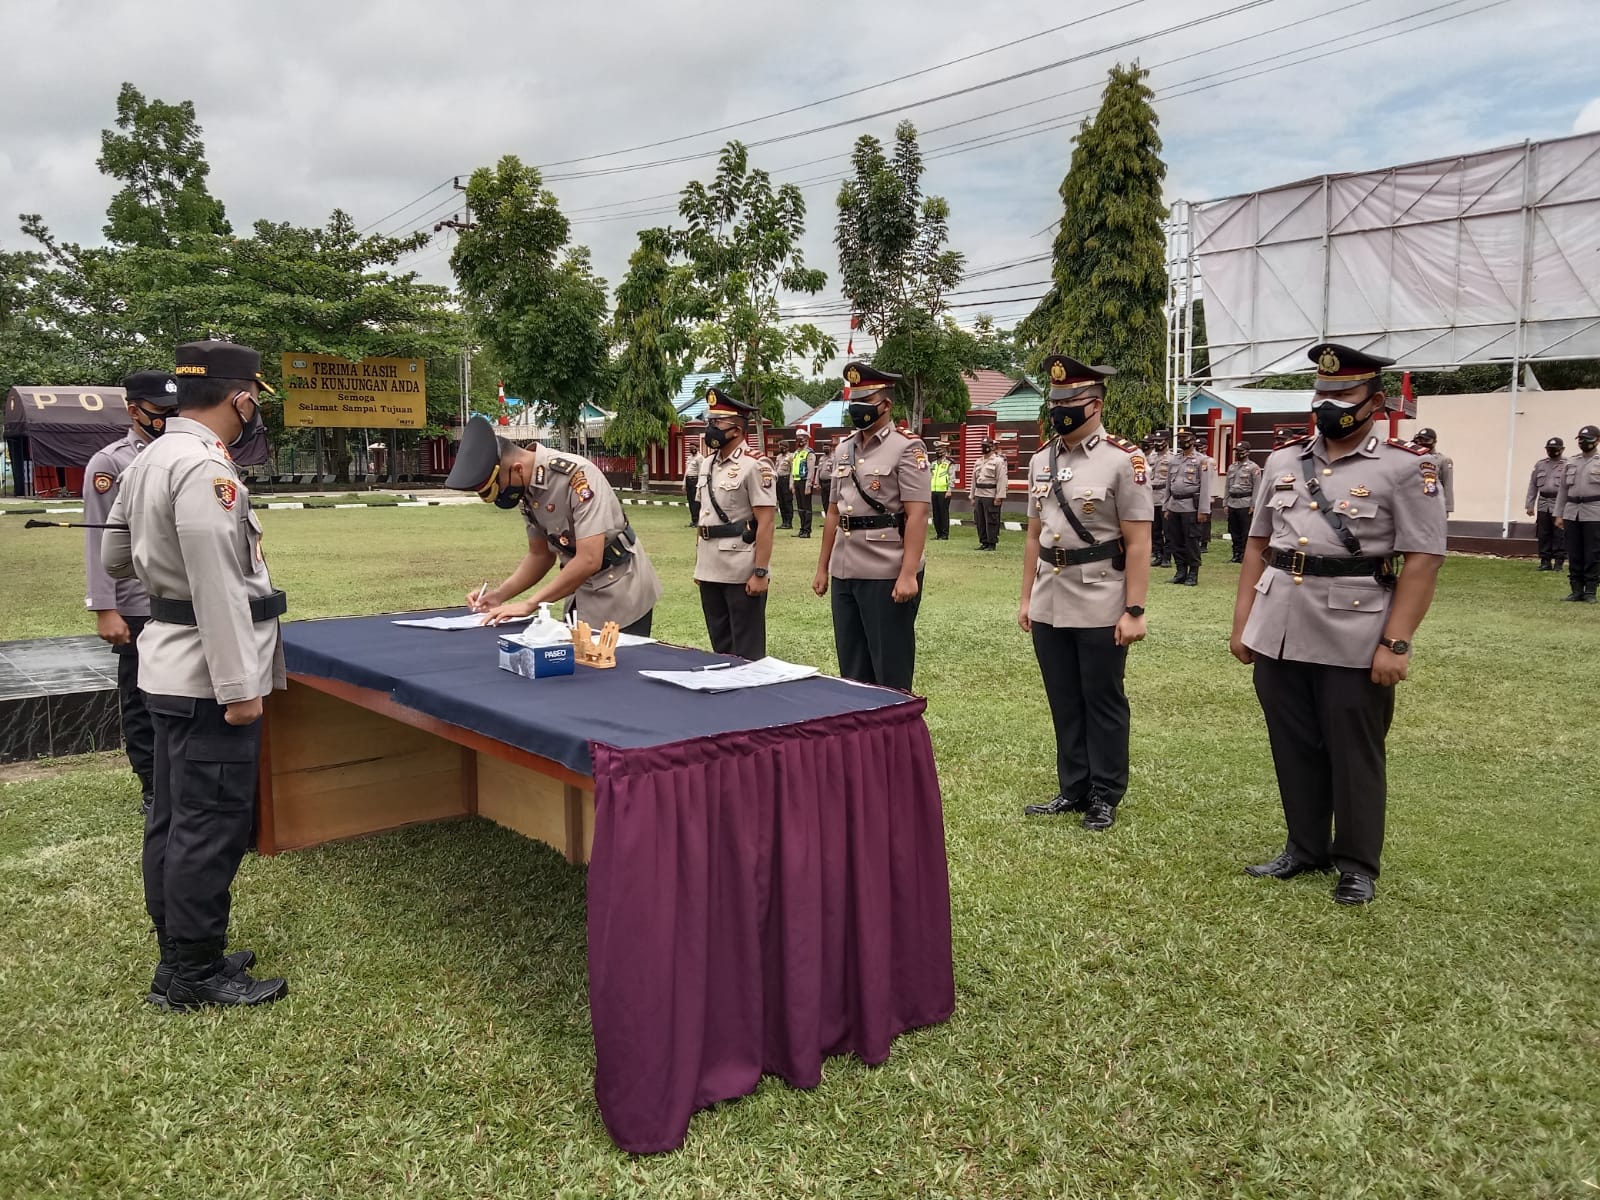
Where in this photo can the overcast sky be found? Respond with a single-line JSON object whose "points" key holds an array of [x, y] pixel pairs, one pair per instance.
{"points": [[366, 106]]}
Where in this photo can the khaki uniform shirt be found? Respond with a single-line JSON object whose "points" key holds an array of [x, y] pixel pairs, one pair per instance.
{"points": [[1189, 483], [569, 499], [741, 483], [1447, 479], [691, 467], [1545, 483], [1389, 497], [192, 537], [822, 472], [781, 466], [102, 478], [1106, 481], [1161, 477], [893, 470], [1243, 481], [989, 477], [1578, 498]]}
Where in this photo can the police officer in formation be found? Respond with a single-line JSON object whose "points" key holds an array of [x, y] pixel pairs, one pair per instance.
{"points": [[940, 478], [1188, 507], [211, 651], [691, 482], [575, 524], [1327, 618], [1085, 573], [1244, 477], [873, 541], [733, 549], [1160, 479], [822, 475], [1578, 505], [986, 492], [785, 489], [121, 607], [802, 476], [1543, 485], [1428, 439]]}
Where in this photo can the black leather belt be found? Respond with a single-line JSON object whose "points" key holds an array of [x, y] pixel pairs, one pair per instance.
{"points": [[1296, 563], [1583, 499], [731, 529], [1058, 557], [181, 612], [877, 521]]}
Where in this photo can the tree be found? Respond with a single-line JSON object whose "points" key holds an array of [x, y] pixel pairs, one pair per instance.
{"points": [[895, 268], [935, 355], [743, 247], [161, 162], [995, 349], [1110, 290], [654, 348], [535, 299]]}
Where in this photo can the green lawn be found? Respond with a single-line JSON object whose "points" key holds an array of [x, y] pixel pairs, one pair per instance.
{"points": [[1135, 1017]]}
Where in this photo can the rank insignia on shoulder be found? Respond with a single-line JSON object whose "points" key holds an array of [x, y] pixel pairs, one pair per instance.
{"points": [[1123, 443], [1408, 447], [103, 482], [563, 466], [227, 493]]}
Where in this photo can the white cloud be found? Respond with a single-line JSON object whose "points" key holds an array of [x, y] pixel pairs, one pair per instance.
{"points": [[1588, 118]]}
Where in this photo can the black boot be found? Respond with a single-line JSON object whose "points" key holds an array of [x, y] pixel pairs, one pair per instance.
{"points": [[202, 979], [167, 968], [1544, 564], [1577, 595], [1589, 596], [1182, 576], [148, 800], [1194, 577]]}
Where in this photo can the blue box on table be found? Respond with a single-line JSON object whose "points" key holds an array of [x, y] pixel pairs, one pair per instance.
{"points": [[537, 662]]}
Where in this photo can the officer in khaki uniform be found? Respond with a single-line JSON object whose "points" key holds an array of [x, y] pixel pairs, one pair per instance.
{"points": [[986, 492], [1085, 573], [1543, 485], [691, 482], [734, 546], [1188, 506], [1160, 481], [874, 537], [802, 479], [182, 525], [941, 476], [1328, 623], [1244, 478], [1428, 439], [781, 468], [121, 607], [1577, 505], [822, 477], [573, 518]]}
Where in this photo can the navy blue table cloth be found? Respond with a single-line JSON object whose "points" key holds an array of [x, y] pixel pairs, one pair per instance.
{"points": [[768, 883]]}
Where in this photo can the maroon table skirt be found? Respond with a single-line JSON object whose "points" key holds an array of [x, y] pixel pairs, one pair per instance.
{"points": [[759, 901]]}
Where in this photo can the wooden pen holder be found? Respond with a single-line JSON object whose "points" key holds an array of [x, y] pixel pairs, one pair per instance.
{"points": [[601, 653]]}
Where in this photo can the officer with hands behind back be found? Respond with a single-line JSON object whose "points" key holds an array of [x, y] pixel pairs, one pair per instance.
{"points": [[733, 548]]}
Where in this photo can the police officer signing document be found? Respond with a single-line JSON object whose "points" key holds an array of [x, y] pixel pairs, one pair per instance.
{"points": [[733, 549], [209, 654], [873, 540], [1327, 620], [1085, 573], [574, 518], [121, 607]]}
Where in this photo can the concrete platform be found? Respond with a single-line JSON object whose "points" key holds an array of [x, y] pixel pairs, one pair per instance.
{"points": [[58, 696]]}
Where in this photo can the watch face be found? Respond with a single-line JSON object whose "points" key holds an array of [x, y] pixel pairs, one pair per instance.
{"points": [[1400, 646]]}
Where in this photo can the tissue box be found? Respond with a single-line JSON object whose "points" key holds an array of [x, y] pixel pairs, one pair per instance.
{"points": [[537, 662]]}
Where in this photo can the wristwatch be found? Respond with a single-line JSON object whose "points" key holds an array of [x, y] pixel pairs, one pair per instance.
{"points": [[761, 572], [1134, 610], [1398, 645]]}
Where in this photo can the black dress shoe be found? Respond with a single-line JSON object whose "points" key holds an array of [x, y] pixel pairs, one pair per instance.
{"points": [[1285, 866], [239, 960], [1100, 815], [1575, 598], [1355, 888], [239, 990], [1059, 805]]}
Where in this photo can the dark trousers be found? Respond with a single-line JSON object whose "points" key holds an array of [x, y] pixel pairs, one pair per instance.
{"points": [[1583, 554], [802, 504], [1083, 671], [736, 620], [986, 512], [941, 515], [138, 733], [826, 489], [1327, 727], [1238, 530], [1183, 537], [1158, 537], [691, 490], [876, 638], [785, 503], [1552, 541], [200, 825]]}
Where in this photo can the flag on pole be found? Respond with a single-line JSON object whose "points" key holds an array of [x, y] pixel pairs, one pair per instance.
{"points": [[850, 347], [1408, 406]]}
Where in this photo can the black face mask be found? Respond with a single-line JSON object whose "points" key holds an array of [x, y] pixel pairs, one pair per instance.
{"points": [[509, 497], [1185, 447], [250, 447], [716, 438], [156, 425], [1553, 451], [864, 414], [1336, 422], [1064, 418], [1586, 447]]}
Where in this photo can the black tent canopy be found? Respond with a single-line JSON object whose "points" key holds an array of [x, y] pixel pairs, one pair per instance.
{"points": [[64, 426]]}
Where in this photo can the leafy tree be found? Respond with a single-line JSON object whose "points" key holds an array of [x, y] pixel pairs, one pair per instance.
{"points": [[161, 162], [817, 392], [896, 269], [996, 349], [536, 300], [1110, 290], [654, 348], [742, 243]]}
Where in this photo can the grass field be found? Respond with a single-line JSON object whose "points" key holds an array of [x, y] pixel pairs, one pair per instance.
{"points": [[1135, 1017]]}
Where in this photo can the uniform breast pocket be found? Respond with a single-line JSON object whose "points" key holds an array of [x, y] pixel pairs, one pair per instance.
{"points": [[1088, 499], [735, 545], [1283, 501], [842, 471], [1357, 597], [1099, 572]]}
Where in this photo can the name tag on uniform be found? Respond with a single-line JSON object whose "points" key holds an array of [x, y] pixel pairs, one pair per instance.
{"points": [[1286, 484]]}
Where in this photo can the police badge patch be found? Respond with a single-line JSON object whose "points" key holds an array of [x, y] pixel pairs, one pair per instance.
{"points": [[227, 492], [580, 485], [1430, 479], [1140, 470], [103, 482]]}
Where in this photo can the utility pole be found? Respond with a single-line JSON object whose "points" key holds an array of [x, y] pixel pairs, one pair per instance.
{"points": [[458, 224]]}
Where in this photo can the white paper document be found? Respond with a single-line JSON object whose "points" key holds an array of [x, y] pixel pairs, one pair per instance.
{"points": [[726, 677], [464, 621]]}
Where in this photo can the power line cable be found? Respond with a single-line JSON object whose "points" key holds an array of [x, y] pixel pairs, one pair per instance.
{"points": [[405, 206]]}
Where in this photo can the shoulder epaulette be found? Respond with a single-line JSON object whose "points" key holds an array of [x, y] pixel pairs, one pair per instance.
{"points": [[563, 466], [1124, 444], [1294, 441], [1409, 447]]}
